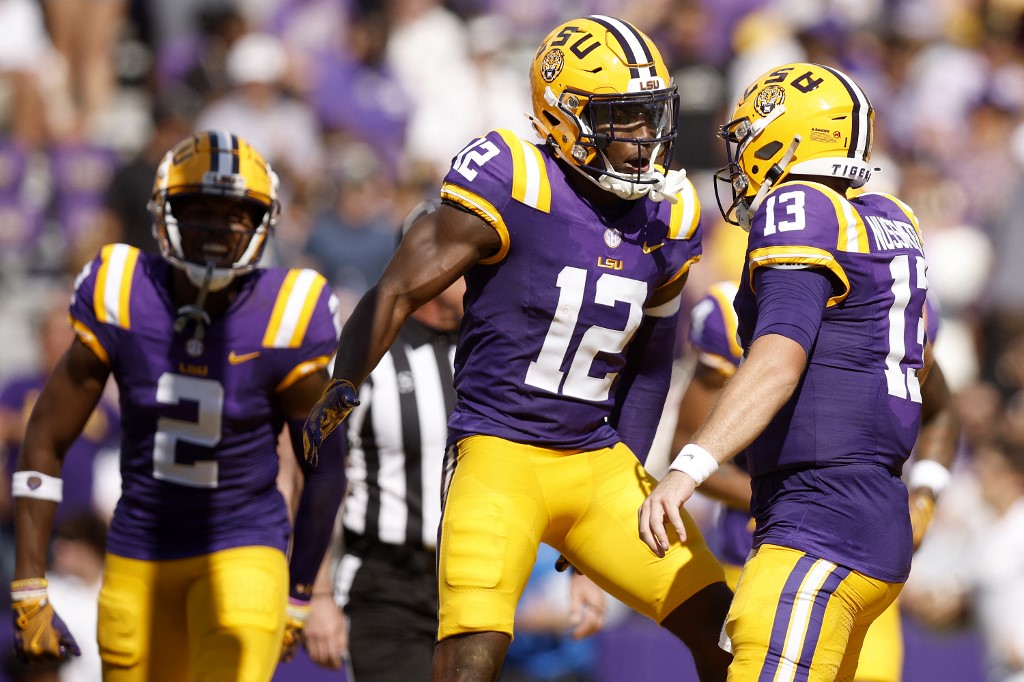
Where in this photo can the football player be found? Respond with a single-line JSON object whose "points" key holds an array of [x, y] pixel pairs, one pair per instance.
{"points": [[713, 338], [575, 251], [827, 402], [212, 357]]}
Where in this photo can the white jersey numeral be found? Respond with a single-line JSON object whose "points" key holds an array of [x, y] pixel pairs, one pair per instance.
{"points": [[903, 383], [546, 371], [793, 202], [477, 153], [172, 389]]}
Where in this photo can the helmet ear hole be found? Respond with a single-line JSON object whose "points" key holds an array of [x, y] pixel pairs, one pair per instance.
{"points": [[550, 118], [768, 151]]}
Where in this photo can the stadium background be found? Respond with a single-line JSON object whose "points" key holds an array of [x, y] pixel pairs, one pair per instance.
{"points": [[360, 106]]}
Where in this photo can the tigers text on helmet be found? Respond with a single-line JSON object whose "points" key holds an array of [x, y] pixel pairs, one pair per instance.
{"points": [[597, 81], [213, 164], [797, 119]]}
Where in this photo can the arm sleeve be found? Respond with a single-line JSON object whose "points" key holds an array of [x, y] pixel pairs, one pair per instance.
{"points": [[791, 303], [644, 384], [322, 491]]}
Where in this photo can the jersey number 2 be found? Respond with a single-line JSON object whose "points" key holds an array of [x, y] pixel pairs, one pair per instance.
{"points": [[172, 389], [546, 371]]}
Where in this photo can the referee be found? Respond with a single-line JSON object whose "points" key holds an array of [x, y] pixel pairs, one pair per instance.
{"points": [[386, 580]]}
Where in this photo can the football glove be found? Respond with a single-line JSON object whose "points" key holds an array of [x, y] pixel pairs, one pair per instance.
{"points": [[39, 633], [922, 508], [338, 399], [294, 620]]}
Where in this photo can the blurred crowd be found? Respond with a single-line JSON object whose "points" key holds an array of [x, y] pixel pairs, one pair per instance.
{"points": [[360, 106]]}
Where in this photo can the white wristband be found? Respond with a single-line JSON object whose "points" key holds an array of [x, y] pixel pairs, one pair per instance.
{"points": [[927, 473], [695, 462], [37, 485]]}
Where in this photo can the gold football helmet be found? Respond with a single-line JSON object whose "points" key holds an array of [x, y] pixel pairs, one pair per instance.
{"points": [[218, 164], [797, 119], [598, 80]]}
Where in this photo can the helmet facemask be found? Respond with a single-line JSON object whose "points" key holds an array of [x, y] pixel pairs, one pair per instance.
{"points": [[604, 120], [210, 255], [738, 135]]}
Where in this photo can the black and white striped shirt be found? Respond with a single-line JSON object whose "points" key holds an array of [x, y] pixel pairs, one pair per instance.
{"points": [[397, 439]]}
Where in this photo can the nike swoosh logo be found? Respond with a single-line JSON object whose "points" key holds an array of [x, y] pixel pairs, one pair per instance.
{"points": [[648, 249], [236, 359]]}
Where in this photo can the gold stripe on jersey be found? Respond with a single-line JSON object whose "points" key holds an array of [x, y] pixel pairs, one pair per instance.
{"points": [[724, 293], [853, 235], [682, 272], [86, 336], [685, 215], [530, 184], [302, 370], [800, 255], [906, 210], [665, 299], [111, 297], [485, 210], [293, 309]]}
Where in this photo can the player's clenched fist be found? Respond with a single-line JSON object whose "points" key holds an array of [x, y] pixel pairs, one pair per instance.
{"points": [[39, 633], [338, 399]]}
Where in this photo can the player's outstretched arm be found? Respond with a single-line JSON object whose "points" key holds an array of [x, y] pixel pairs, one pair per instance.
{"points": [[68, 398], [759, 389], [323, 487], [438, 249]]}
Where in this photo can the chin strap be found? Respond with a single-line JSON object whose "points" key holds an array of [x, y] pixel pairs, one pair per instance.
{"points": [[195, 312], [665, 186]]}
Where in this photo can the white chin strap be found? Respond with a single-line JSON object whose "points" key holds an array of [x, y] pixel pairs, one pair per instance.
{"points": [[219, 277], [662, 186]]}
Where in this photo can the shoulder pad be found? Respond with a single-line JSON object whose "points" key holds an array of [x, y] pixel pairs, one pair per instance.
{"points": [[685, 213], [293, 309], [112, 286]]}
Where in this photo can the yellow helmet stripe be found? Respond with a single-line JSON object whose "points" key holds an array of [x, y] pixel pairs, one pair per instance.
{"points": [[112, 295], [530, 184], [293, 309]]}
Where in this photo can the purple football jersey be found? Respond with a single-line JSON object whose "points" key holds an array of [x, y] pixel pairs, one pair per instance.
{"points": [[199, 432], [549, 318], [859, 402]]}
